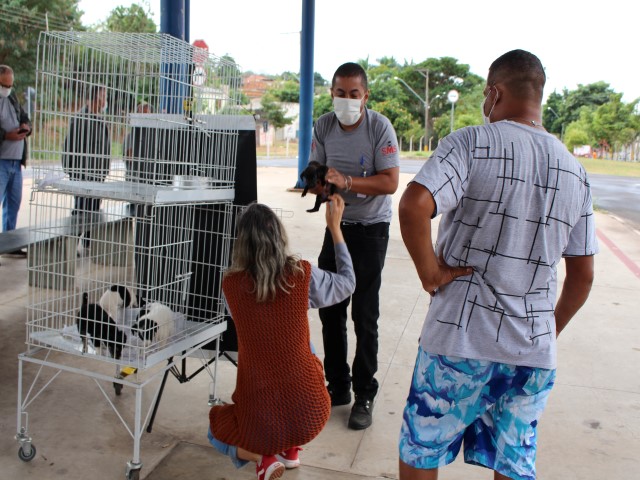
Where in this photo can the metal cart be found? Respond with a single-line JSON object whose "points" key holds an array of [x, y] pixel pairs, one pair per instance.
{"points": [[130, 215]]}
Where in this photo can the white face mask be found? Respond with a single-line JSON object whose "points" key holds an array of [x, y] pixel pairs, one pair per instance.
{"points": [[5, 92], [104, 109], [347, 110], [487, 118]]}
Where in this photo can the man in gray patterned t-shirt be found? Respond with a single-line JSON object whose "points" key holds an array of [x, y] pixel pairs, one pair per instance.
{"points": [[514, 203]]}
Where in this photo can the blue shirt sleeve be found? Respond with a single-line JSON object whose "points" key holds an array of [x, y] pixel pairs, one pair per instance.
{"points": [[328, 288]]}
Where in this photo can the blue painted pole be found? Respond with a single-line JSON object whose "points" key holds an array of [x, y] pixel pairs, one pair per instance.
{"points": [[306, 85], [172, 18], [175, 76], [187, 19]]}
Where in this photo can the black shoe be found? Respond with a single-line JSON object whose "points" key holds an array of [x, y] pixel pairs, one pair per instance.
{"points": [[339, 397], [361, 411]]}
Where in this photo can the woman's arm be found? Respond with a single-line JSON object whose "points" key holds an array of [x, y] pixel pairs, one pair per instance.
{"points": [[328, 288]]}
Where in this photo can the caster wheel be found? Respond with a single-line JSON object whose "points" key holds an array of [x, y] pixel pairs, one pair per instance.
{"points": [[117, 387], [24, 457], [133, 475]]}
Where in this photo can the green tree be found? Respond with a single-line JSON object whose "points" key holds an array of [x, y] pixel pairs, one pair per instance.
{"points": [[227, 71], [445, 74], [319, 81], [467, 109], [591, 95], [554, 114], [288, 91], [322, 104], [615, 122], [273, 112], [593, 115], [133, 19], [390, 98], [405, 125], [579, 132], [21, 22]]}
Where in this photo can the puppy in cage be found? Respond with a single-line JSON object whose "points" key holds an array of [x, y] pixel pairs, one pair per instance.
{"points": [[155, 324], [280, 400], [115, 299], [95, 324]]}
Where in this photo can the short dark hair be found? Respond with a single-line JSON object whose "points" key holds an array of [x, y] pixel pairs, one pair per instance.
{"points": [[522, 73], [5, 69], [350, 69]]}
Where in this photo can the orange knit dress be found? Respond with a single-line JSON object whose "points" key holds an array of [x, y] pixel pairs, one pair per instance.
{"points": [[280, 400]]}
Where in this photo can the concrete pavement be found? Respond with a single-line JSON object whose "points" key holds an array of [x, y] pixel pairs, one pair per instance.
{"points": [[591, 428]]}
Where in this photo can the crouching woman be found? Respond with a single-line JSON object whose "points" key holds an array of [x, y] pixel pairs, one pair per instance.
{"points": [[280, 401]]}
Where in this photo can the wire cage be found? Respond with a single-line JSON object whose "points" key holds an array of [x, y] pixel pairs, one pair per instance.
{"points": [[154, 270], [137, 116], [135, 151]]}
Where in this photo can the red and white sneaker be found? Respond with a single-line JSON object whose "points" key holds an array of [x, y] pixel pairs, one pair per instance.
{"points": [[290, 457], [269, 468]]}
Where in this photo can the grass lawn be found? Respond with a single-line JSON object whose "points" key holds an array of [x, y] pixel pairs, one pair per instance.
{"points": [[610, 167], [591, 165]]}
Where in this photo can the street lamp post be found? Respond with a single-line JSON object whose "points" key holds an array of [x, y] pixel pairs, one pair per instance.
{"points": [[425, 103], [452, 96], [561, 125]]}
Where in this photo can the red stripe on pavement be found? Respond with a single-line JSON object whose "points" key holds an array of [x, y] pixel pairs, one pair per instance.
{"points": [[631, 265]]}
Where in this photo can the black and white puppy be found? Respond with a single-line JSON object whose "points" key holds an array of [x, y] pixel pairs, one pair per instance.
{"points": [[95, 324], [314, 181], [115, 299], [155, 324]]}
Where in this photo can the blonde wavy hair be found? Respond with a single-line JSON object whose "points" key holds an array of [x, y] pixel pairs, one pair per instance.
{"points": [[261, 249]]}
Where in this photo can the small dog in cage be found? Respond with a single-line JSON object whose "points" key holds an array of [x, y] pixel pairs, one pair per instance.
{"points": [[314, 179], [95, 324], [115, 299], [155, 323]]}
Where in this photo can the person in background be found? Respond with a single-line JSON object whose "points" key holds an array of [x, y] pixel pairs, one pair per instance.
{"points": [[86, 154], [15, 127], [280, 401], [514, 203], [361, 150]]}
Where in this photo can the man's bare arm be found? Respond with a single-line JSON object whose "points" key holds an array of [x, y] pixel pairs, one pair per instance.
{"points": [[575, 290], [416, 208]]}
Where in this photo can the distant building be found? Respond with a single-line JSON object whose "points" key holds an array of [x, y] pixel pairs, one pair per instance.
{"points": [[254, 87]]}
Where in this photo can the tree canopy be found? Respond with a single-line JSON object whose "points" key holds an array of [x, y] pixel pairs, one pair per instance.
{"points": [[130, 19], [592, 114], [20, 25]]}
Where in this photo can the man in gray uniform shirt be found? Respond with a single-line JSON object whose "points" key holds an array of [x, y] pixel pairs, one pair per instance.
{"points": [[361, 149]]}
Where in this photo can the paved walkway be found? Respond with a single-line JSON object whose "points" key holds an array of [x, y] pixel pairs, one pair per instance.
{"points": [[591, 428]]}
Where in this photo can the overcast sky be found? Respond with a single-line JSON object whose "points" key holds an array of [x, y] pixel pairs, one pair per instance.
{"points": [[577, 42]]}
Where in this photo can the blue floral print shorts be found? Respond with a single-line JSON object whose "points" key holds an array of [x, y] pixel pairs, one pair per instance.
{"points": [[493, 407]]}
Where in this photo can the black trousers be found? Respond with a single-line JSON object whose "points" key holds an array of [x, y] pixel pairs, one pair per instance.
{"points": [[368, 248]]}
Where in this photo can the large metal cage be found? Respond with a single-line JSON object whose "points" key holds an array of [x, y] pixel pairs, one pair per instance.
{"points": [[134, 154], [121, 112], [173, 255]]}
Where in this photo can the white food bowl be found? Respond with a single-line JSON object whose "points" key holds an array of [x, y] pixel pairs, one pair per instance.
{"points": [[190, 182]]}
